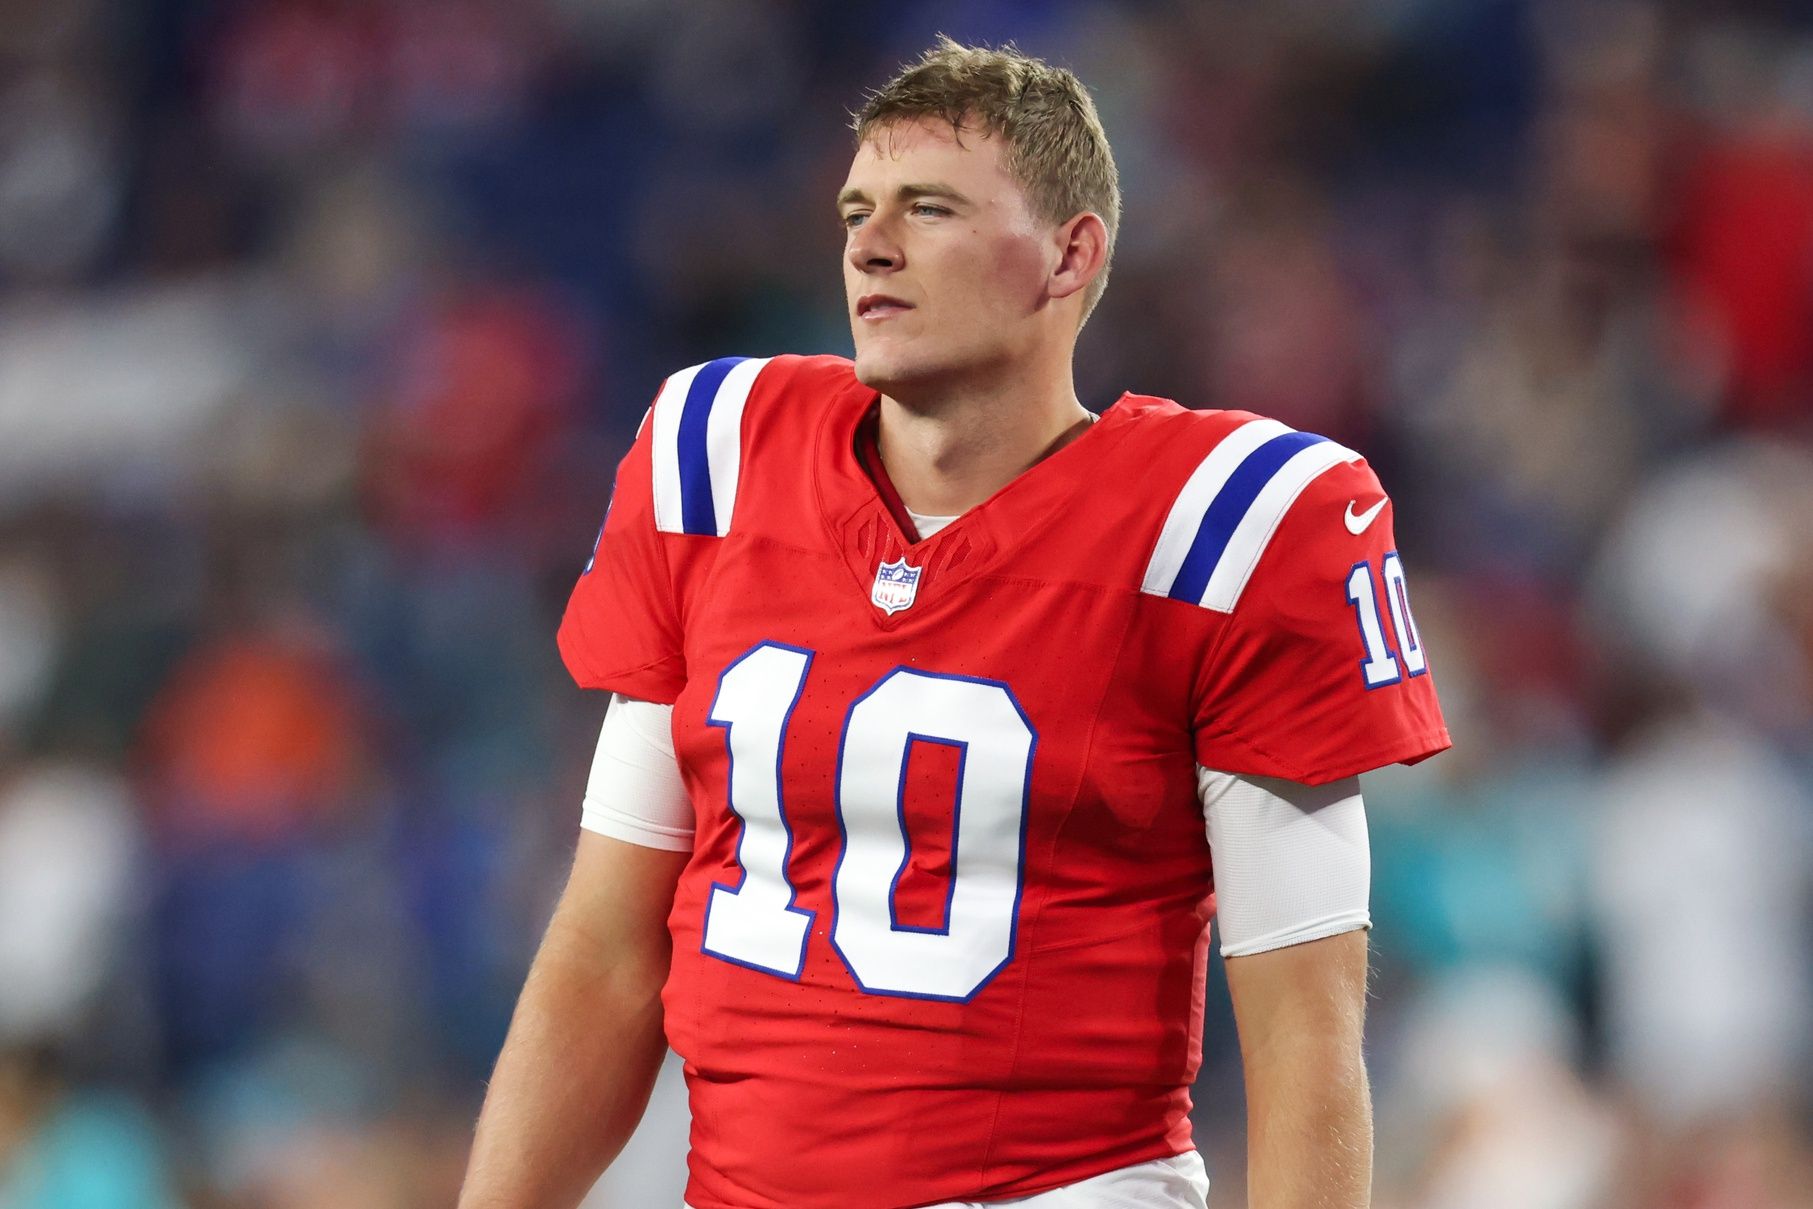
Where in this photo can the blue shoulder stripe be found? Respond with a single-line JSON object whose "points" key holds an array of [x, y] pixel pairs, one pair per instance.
{"points": [[1229, 507], [698, 512]]}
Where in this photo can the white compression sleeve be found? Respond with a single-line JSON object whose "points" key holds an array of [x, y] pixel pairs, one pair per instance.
{"points": [[635, 792], [1291, 861]]}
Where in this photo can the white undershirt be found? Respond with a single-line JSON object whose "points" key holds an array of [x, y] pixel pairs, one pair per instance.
{"points": [[927, 525], [1291, 861]]}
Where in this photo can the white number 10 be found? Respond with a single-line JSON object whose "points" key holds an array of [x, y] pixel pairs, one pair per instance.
{"points": [[755, 923], [1380, 667]]}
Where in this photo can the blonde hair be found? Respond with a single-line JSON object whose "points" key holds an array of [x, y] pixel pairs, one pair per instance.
{"points": [[1057, 150]]}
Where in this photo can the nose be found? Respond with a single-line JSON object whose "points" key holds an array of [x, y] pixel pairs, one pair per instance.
{"points": [[874, 247]]}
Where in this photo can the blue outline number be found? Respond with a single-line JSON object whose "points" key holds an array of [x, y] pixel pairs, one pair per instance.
{"points": [[754, 923], [1380, 667], [1397, 595], [988, 848]]}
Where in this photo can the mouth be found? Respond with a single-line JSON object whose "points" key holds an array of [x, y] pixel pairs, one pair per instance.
{"points": [[877, 307]]}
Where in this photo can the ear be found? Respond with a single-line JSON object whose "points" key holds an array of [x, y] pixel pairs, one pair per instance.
{"points": [[1081, 245]]}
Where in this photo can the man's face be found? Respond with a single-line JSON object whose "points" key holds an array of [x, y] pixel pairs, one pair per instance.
{"points": [[945, 263]]}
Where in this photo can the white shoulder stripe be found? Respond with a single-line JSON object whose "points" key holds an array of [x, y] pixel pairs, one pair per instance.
{"points": [[1226, 513], [665, 416], [724, 438], [697, 445]]}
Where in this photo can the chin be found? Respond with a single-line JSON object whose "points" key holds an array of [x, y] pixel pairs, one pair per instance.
{"points": [[882, 368], [893, 370]]}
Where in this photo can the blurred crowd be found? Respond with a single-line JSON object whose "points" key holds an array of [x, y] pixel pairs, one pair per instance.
{"points": [[323, 323]]}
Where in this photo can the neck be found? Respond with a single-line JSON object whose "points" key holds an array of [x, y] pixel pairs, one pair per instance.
{"points": [[948, 448]]}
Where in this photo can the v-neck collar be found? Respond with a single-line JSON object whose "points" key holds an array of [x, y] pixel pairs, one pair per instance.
{"points": [[868, 456], [867, 521]]}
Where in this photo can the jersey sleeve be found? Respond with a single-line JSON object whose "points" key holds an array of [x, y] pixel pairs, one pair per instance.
{"points": [[1319, 672], [674, 498], [621, 630]]}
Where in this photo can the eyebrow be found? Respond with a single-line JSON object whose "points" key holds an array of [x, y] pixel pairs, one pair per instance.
{"points": [[852, 194]]}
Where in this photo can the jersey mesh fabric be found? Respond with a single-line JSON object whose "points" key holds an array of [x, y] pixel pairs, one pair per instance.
{"points": [[1291, 862]]}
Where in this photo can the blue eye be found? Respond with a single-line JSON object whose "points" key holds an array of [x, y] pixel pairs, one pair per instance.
{"points": [[853, 220]]}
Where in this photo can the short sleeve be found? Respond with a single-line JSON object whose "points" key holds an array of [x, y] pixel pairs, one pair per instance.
{"points": [[621, 629], [1319, 672]]}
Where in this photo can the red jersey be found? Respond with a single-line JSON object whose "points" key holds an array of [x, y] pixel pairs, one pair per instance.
{"points": [[944, 929]]}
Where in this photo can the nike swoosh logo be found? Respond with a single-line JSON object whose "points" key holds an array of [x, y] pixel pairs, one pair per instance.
{"points": [[1357, 525]]}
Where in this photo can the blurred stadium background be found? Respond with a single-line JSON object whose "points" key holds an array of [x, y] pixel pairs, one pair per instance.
{"points": [[323, 322]]}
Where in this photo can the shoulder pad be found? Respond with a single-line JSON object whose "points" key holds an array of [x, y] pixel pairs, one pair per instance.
{"points": [[1228, 509], [697, 444]]}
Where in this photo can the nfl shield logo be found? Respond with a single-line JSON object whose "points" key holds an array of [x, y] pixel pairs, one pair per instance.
{"points": [[895, 586]]}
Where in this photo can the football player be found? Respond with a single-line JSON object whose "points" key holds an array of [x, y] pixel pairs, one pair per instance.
{"points": [[946, 714]]}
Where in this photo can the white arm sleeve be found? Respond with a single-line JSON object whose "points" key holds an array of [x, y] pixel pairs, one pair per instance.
{"points": [[635, 793], [1291, 860]]}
